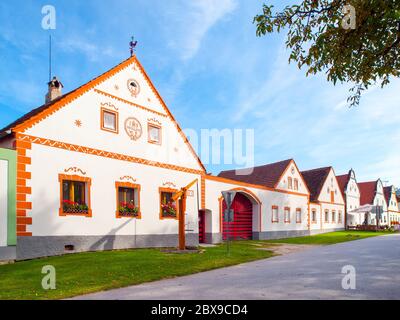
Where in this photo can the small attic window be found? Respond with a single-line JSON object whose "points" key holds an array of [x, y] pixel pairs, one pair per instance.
{"points": [[154, 133], [109, 120]]}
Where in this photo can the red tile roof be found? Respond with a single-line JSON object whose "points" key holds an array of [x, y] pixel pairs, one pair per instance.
{"points": [[343, 180], [367, 190], [388, 193], [315, 179], [267, 175]]}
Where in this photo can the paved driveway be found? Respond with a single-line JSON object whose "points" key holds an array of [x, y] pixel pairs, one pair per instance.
{"points": [[312, 274]]}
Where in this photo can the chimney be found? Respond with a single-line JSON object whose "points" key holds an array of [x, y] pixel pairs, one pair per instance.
{"points": [[55, 90]]}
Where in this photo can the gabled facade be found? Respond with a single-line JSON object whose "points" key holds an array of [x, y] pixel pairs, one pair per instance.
{"points": [[327, 205], [97, 168], [372, 193], [392, 203], [351, 194]]}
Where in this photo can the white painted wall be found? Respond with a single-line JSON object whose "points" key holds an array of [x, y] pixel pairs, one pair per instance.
{"points": [[3, 202], [293, 173], [380, 200], [104, 172], [60, 126], [336, 206], [352, 194]]}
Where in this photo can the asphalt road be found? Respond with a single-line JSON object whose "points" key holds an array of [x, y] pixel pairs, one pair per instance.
{"points": [[312, 274]]}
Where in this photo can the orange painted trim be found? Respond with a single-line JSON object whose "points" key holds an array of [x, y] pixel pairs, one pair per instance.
{"points": [[203, 192], [91, 85], [23, 145], [23, 160], [255, 186], [330, 203], [284, 214], [105, 154], [131, 186], [88, 181], [102, 127], [170, 190], [272, 214], [184, 137], [24, 234], [24, 220], [297, 168], [129, 102], [72, 96], [152, 125]]}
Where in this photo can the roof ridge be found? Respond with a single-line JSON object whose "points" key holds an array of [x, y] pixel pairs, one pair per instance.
{"points": [[259, 166]]}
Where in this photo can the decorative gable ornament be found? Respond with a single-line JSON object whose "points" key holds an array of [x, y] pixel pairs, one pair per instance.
{"points": [[133, 87], [133, 128]]}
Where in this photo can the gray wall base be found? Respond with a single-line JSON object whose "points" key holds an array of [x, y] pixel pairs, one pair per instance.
{"points": [[213, 238], [268, 235], [37, 247], [8, 254]]}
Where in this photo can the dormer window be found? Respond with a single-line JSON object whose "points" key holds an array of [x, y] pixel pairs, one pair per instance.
{"points": [[154, 133], [109, 120]]}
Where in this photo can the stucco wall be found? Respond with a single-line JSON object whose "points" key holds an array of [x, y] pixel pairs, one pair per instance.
{"points": [[48, 163]]}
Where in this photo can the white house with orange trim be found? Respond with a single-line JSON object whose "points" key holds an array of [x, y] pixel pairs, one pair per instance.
{"points": [[327, 205], [96, 169], [351, 193], [392, 203]]}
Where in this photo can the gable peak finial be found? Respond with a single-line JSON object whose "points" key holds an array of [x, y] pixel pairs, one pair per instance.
{"points": [[132, 45]]}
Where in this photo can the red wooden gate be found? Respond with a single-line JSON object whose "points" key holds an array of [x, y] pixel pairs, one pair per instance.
{"points": [[242, 226], [202, 226]]}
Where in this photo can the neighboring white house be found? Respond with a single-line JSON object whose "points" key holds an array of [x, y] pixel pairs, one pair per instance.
{"points": [[351, 193], [271, 202], [372, 194], [327, 206], [393, 205]]}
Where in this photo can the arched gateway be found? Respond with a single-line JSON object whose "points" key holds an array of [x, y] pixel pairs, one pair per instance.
{"points": [[246, 208]]}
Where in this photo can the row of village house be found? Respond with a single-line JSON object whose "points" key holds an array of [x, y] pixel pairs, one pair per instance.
{"points": [[95, 169]]}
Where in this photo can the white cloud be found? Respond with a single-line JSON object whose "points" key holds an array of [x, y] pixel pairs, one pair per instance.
{"points": [[195, 21], [92, 51]]}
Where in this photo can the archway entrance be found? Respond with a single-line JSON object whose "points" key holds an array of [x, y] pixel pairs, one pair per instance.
{"points": [[242, 226]]}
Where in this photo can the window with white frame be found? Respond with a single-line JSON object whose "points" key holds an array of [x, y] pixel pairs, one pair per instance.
{"points": [[333, 216], [275, 214], [314, 216], [326, 215], [298, 215], [154, 133], [109, 120], [290, 183], [287, 214]]}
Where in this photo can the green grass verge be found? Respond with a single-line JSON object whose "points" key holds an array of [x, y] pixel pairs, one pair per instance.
{"points": [[330, 238], [83, 273]]}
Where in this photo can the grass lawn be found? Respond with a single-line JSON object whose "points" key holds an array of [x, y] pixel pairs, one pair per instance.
{"points": [[330, 238], [95, 271]]}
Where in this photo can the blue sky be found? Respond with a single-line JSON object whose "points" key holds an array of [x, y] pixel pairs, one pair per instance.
{"points": [[213, 72]]}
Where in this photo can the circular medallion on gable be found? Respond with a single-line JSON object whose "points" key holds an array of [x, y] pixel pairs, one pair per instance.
{"points": [[133, 128], [293, 170], [133, 87]]}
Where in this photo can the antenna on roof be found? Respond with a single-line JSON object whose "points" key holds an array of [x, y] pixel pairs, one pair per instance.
{"points": [[133, 45], [49, 57]]}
